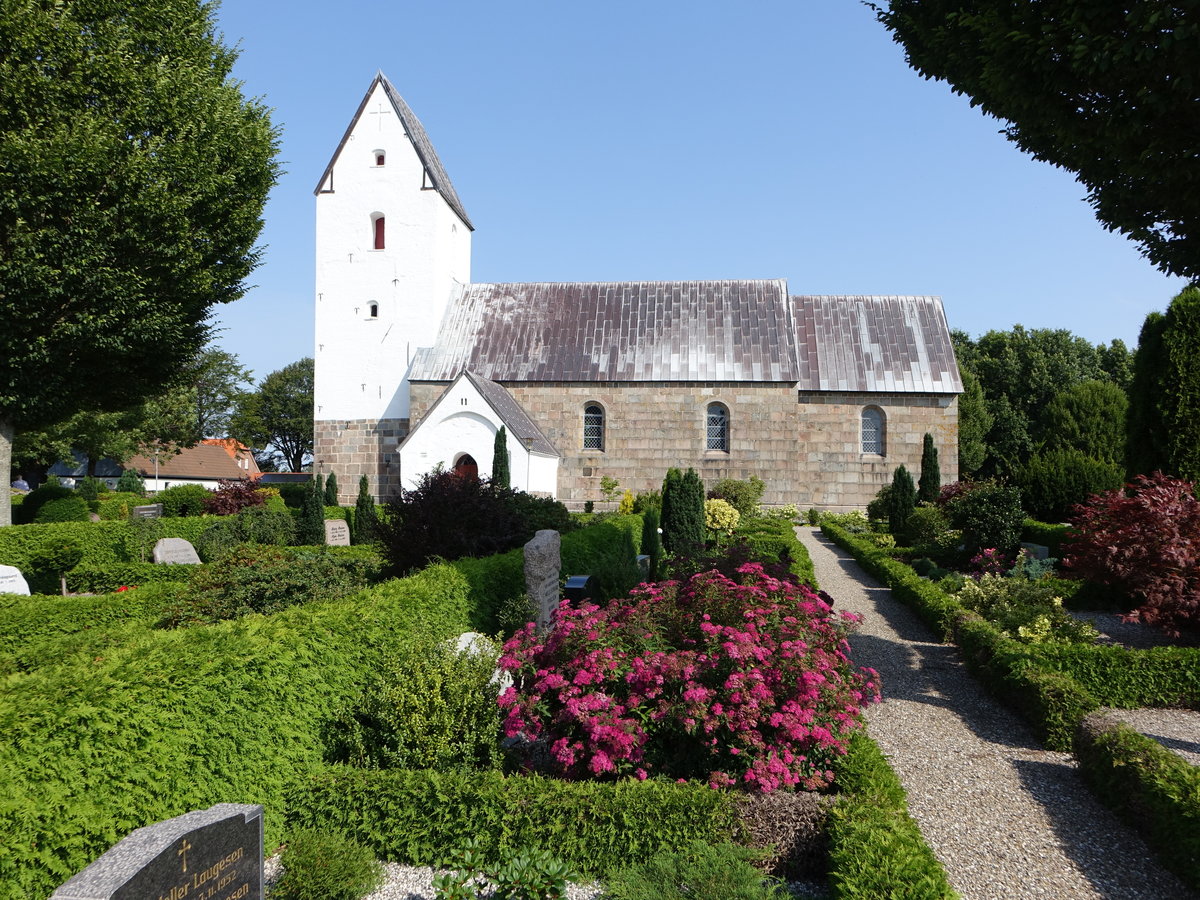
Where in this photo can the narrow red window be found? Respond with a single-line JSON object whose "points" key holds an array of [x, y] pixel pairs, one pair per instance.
{"points": [[379, 233], [379, 159]]}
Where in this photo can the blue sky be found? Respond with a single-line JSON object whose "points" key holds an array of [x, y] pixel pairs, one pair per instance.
{"points": [[669, 140]]}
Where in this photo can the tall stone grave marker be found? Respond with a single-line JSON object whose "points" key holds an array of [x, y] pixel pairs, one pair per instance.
{"points": [[337, 533], [211, 854], [543, 560], [175, 551], [12, 581]]}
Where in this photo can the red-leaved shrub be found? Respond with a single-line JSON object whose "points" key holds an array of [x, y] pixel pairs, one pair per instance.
{"points": [[1146, 544], [735, 682], [232, 497]]}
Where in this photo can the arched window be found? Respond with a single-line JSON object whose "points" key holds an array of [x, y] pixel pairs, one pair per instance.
{"points": [[373, 310], [377, 227], [380, 157], [593, 427], [718, 427], [466, 467], [874, 435]]}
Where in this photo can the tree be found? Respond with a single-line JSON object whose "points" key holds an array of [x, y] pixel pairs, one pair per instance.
{"points": [[651, 542], [1089, 417], [366, 520], [902, 500], [974, 422], [931, 474], [1145, 437], [277, 419], [689, 513], [134, 179], [1180, 398], [310, 524], [214, 383], [1101, 89], [331, 490], [500, 473]]}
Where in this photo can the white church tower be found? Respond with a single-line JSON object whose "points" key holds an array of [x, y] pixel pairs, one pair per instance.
{"points": [[392, 242]]}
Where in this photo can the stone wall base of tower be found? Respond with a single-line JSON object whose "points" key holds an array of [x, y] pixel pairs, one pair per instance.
{"points": [[356, 447]]}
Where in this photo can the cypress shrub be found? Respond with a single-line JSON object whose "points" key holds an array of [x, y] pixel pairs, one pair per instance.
{"points": [[131, 482], [1054, 481], [652, 541], [310, 525], [902, 500], [931, 474], [671, 503], [500, 471], [331, 490], [691, 527], [366, 520]]}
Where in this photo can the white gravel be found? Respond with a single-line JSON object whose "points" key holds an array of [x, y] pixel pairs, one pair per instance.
{"points": [[1007, 818]]}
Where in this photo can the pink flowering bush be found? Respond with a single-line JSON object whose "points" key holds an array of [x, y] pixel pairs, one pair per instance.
{"points": [[737, 681], [990, 562]]}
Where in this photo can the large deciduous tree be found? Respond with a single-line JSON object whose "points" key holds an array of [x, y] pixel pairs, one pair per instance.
{"points": [[277, 419], [131, 196], [1108, 91]]}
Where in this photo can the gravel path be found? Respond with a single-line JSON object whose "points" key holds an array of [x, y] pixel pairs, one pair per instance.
{"points": [[1006, 818]]}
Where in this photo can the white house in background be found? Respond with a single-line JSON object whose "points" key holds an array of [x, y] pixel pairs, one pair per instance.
{"points": [[459, 433], [207, 464]]}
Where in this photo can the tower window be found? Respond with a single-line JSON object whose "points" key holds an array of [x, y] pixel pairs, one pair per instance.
{"points": [[717, 428], [593, 427], [378, 228], [874, 436], [373, 310], [380, 157]]}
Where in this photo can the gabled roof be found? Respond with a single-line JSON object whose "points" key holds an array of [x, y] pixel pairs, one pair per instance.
{"points": [[420, 141], [204, 461], [891, 344], [615, 331], [511, 414]]}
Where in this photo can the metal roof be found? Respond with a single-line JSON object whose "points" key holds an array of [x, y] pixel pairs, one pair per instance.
{"points": [[616, 331], [887, 344], [420, 141]]}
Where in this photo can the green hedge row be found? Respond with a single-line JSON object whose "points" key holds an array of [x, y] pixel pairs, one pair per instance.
{"points": [[178, 720], [106, 579], [423, 817], [774, 540], [1046, 533], [103, 543], [28, 621], [876, 848], [1154, 790]]}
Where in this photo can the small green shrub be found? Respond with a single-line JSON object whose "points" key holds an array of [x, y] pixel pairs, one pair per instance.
{"points": [[744, 496], [1027, 611], [89, 488], [1045, 533], [430, 707], [989, 515], [117, 505], [698, 871], [321, 865], [526, 875], [1053, 481], [926, 526], [183, 500], [131, 482], [64, 509], [252, 525], [293, 494]]}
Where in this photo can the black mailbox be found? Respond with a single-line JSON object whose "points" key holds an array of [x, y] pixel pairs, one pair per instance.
{"points": [[580, 587]]}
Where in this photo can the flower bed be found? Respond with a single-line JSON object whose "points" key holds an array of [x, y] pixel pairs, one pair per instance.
{"points": [[740, 681]]}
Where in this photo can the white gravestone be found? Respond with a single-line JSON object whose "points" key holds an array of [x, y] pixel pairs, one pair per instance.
{"points": [[175, 552], [543, 561], [12, 581], [337, 533]]}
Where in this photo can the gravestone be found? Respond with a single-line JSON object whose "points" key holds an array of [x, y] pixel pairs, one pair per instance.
{"points": [[211, 854], [580, 587], [543, 560], [643, 564], [175, 551], [151, 511], [337, 533], [1036, 551], [12, 581]]}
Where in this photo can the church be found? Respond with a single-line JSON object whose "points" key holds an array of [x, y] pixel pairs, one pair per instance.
{"points": [[417, 367]]}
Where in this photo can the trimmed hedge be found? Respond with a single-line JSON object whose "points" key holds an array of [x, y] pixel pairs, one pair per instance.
{"points": [[774, 540], [1153, 790], [876, 848], [106, 579], [25, 621], [1125, 678], [1045, 533], [179, 720], [103, 543], [424, 817]]}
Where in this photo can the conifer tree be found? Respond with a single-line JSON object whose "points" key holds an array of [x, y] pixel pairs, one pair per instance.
{"points": [[318, 485], [692, 530], [902, 500], [310, 527], [331, 490], [500, 471], [931, 474], [366, 521], [670, 504]]}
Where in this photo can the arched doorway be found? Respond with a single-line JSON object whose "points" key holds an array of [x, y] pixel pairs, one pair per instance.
{"points": [[466, 467]]}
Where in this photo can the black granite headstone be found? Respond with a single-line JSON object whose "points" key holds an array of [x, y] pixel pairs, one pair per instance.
{"points": [[212, 854]]}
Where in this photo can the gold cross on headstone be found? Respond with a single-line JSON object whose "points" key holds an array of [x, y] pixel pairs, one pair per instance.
{"points": [[184, 847], [381, 112]]}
